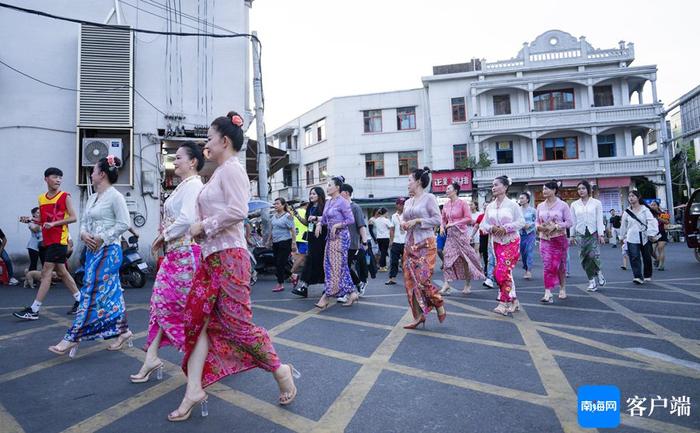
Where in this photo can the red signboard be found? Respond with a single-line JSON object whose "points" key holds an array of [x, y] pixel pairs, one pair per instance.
{"points": [[442, 178]]}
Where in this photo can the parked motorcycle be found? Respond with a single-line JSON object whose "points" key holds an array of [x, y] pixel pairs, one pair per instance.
{"points": [[263, 262], [132, 272]]}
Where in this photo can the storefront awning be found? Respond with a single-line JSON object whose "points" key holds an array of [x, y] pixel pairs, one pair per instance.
{"points": [[278, 159]]}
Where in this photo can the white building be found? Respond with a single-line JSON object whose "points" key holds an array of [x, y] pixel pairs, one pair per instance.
{"points": [[559, 109], [373, 140], [192, 80]]}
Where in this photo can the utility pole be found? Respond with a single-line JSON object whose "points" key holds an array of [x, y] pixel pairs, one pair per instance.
{"points": [[259, 120], [666, 143]]}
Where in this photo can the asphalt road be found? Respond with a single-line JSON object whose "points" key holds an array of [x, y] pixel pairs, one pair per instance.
{"points": [[362, 372]]}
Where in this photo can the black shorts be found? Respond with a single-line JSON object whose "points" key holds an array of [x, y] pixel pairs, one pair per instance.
{"points": [[56, 253]]}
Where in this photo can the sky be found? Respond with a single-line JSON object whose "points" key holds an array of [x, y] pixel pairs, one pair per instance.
{"points": [[314, 50]]}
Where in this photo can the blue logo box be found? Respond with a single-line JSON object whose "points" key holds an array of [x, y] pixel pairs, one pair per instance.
{"points": [[598, 406]]}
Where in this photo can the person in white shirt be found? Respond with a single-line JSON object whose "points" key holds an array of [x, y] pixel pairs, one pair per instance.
{"points": [[589, 231], [398, 239], [638, 228], [382, 227]]}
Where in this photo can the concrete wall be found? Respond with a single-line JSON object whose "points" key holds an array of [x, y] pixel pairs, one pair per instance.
{"points": [[38, 123]]}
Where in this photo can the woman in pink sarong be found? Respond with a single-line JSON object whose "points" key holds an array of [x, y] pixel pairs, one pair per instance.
{"points": [[174, 278], [461, 261], [553, 218], [220, 336], [503, 220]]}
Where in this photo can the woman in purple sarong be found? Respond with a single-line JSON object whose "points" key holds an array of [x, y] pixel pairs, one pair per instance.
{"points": [[461, 261], [337, 216], [182, 255], [553, 218]]}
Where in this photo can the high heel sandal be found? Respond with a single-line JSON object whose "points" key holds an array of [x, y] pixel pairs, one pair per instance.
{"points": [[71, 349], [441, 316], [136, 378], [288, 397], [514, 306], [502, 308], [547, 299], [322, 306], [415, 324], [121, 340], [352, 299], [185, 416]]}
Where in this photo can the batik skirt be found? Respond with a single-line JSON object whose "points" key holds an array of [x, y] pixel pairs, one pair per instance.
{"points": [[101, 310], [590, 253], [172, 285], [338, 280], [461, 261], [418, 263], [221, 294], [506, 256], [554, 252]]}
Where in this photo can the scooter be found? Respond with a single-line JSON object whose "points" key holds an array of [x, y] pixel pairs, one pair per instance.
{"points": [[132, 272], [263, 261], [691, 223]]}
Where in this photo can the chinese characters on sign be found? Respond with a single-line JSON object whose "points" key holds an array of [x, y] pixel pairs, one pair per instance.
{"points": [[441, 179], [679, 406]]}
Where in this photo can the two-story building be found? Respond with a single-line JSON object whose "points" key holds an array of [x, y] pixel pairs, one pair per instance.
{"points": [[373, 140], [559, 110]]}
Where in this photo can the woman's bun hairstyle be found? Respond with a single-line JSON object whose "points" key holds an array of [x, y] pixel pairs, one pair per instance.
{"points": [[422, 175], [231, 126]]}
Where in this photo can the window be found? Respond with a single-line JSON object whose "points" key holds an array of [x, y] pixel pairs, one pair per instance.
{"points": [[287, 176], [552, 149], [310, 174], [408, 161], [606, 146], [501, 104], [308, 136], [321, 130], [373, 120], [504, 152], [552, 100], [459, 110], [374, 164], [323, 170], [602, 96], [405, 118], [459, 154]]}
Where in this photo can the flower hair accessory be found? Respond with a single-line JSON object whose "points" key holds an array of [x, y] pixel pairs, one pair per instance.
{"points": [[237, 120], [110, 161]]}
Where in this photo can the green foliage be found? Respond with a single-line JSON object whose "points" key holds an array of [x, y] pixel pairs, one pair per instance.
{"points": [[471, 162]]}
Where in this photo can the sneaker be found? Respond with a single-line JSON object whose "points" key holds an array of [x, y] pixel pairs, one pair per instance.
{"points": [[638, 281], [488, 283], [647, 279], [13, 282], [361, 288], [592, 286], [26, 314], [278, 288], [343, 299], [601, 279], [74, 310]]}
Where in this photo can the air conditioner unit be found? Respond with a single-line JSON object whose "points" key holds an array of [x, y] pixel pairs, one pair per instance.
{"points": [[95, 149]]}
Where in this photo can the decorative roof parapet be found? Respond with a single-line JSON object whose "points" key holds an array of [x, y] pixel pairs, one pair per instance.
{"points": [[555, 47]]}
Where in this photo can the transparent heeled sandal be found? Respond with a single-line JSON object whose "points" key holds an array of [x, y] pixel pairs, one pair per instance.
{"points": [[185, 416]]}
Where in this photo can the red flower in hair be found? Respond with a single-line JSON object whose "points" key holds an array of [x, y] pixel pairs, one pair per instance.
{"points": [[237, 120], [110, 160]]}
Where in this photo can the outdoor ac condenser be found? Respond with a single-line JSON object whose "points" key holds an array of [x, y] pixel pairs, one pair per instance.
{"points": [[95, 149]]}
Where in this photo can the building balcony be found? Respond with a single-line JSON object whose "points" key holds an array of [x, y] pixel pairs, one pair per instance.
{"points": [[574, 169], [565, 119], [290, 193], [294, 156]]}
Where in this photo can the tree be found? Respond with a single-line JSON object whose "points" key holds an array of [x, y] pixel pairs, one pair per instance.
{"points": [[471, 162]]}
